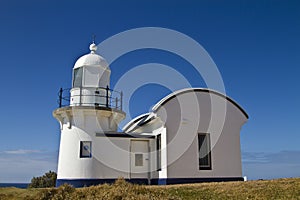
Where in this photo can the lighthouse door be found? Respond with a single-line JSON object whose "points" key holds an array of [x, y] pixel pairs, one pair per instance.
{"points": [[139, 158]]}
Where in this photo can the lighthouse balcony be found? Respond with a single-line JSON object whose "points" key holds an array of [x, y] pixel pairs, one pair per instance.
{"points": [[90, 96]]}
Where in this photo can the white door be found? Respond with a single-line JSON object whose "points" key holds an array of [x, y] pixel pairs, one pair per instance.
{"points": [[140, 159]]}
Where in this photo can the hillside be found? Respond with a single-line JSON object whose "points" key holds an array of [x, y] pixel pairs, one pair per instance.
{"points": [[267, 189]]}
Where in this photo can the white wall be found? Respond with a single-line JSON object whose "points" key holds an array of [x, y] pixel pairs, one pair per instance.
{"points": [[110, 155], [191, 113]]}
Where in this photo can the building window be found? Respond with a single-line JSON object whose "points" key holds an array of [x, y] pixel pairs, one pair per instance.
{"points": [[204, 151], [139, 159], [85, 149], [77, 77], [158, 151]]}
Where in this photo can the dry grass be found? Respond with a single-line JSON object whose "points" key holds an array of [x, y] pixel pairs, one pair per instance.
{"points": [[13, 193], [269, 189]]}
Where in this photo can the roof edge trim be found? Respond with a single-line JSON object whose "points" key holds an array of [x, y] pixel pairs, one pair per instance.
{"points": [[179, 92], [133, 121]]}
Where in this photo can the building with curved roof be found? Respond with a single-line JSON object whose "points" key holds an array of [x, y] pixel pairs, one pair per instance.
{"points": [[199, 133], [191, 135]]}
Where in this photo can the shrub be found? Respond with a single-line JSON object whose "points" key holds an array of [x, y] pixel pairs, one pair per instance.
{"points": [[45, 181], [64, 191]]}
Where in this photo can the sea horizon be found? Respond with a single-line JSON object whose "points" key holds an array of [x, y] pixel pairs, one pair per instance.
{"points": [[17, 185]]}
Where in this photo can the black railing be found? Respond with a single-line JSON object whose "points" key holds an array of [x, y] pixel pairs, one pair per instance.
{"points": [[111, 98]]}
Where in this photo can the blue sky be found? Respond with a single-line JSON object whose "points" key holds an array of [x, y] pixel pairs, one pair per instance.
{"points": [[255, 45]]}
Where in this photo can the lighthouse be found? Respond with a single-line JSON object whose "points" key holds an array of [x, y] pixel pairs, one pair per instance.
{"points": [[168, 145], [88, 109]]}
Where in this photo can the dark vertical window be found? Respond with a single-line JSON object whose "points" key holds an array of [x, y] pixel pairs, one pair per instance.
{"points": [[77, 77], [204, 151], [85, 149], [158, 152]]}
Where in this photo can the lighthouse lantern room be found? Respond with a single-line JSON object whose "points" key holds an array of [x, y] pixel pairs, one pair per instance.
{"points": [[91, 79]]}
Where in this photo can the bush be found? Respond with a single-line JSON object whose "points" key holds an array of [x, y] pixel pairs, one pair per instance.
{"points": [[45, 181], [64, 191]]}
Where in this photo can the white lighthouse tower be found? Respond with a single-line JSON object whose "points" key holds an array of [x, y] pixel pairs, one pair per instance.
{"points": [[92, 109]]}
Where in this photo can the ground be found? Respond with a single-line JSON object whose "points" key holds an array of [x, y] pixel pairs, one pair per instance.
{"points": [[262, 189]]}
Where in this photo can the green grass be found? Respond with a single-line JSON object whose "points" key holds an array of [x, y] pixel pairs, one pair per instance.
{"points": [[268, 189]]}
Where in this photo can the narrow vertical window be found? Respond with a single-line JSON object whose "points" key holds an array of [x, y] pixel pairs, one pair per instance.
{"points": [[204, 151], [77, 77], [85, 149], [158, 152], [139, 159]]}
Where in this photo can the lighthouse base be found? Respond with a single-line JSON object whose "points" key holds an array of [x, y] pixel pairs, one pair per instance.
{"points": [[157, 181], [89, 182]]}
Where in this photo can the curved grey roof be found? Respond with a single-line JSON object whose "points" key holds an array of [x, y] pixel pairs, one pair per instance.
{"points": [[179, 92], [147, 117]]}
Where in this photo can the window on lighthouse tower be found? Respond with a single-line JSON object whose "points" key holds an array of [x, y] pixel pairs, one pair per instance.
{"points": [[77, 77], [85, 149]]}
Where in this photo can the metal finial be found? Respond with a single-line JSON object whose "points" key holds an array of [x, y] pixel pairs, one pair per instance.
{"points": [[94, 37], [93, 46]]}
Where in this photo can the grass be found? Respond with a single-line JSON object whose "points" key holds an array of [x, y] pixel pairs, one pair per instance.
{"points": [[17, 193], [267, 189]]}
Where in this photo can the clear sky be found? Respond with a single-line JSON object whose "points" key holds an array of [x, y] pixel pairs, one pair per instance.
{"points": [[255, 45]]}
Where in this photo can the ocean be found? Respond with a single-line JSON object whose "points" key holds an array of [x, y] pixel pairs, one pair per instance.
{"points": [[17, 185]]}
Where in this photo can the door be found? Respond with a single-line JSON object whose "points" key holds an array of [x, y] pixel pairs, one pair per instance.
{"points": [[140, 161]]}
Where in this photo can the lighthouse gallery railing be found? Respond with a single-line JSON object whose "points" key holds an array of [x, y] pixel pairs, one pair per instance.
{"points": [[111, 98]]}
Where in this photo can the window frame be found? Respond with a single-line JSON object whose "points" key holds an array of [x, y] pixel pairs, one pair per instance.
{"points": [[208, 151], [158, 152], [81, 149], [80, 70]]}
